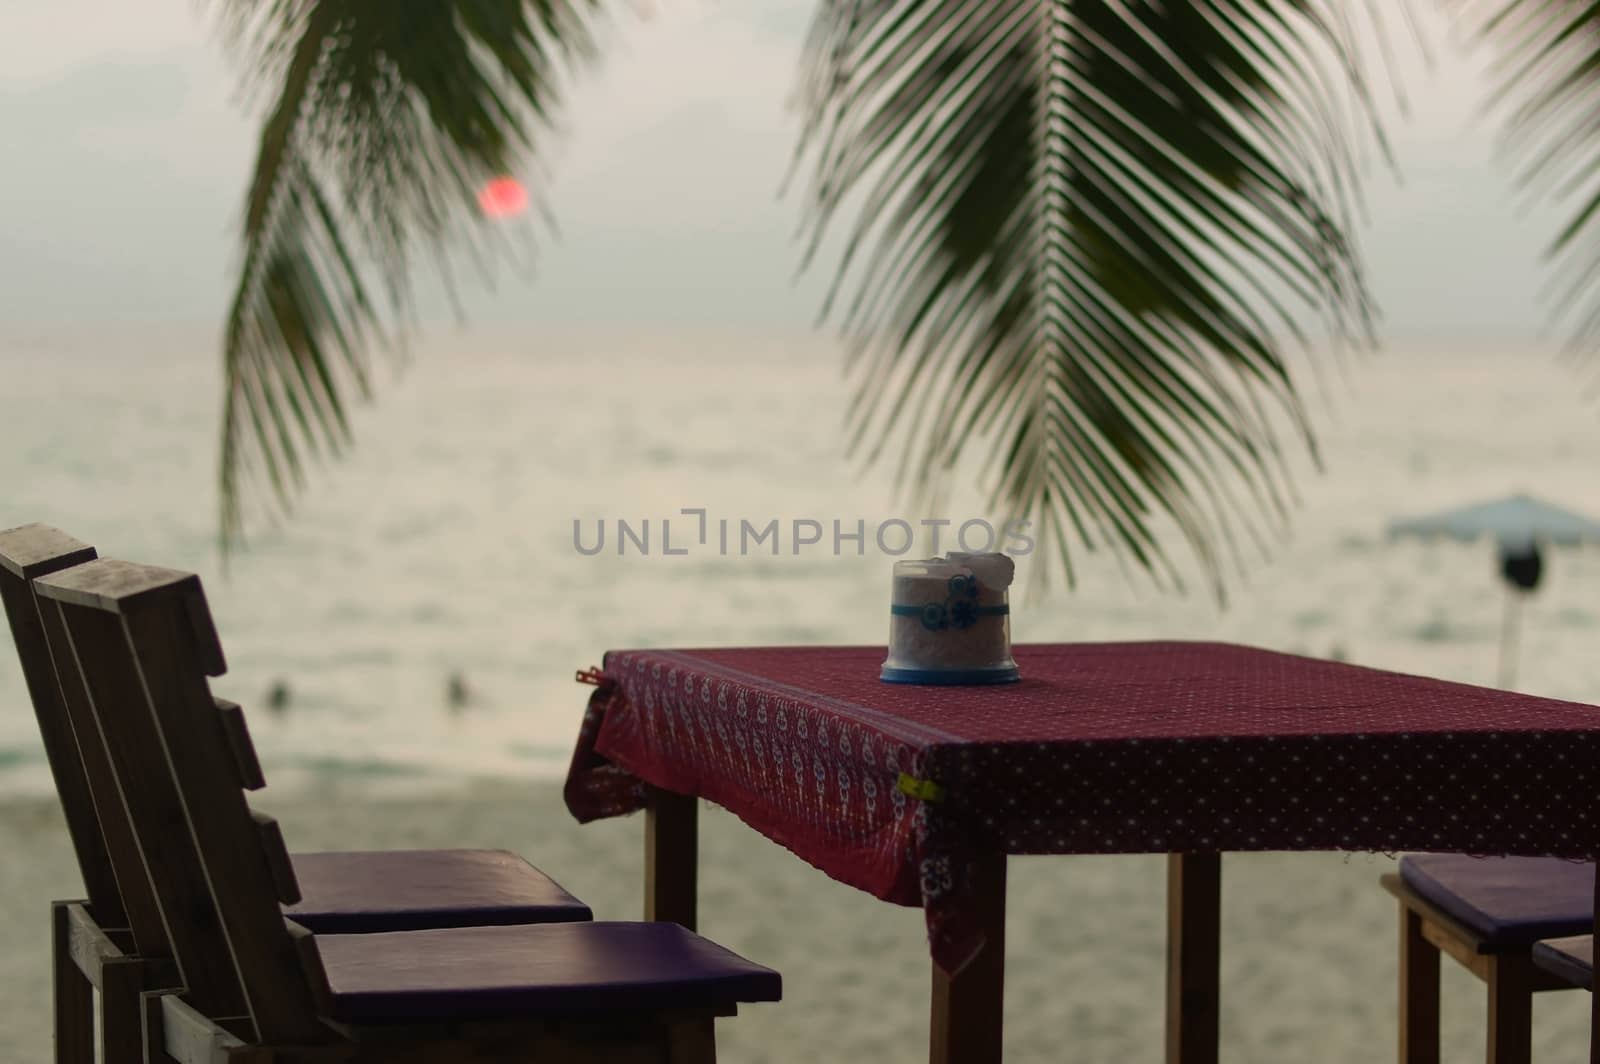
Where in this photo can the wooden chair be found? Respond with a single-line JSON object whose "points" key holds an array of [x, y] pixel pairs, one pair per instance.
{"points": [[1569, 959], [257, 988], [1487, 914], [114, 940], [95, 942]]}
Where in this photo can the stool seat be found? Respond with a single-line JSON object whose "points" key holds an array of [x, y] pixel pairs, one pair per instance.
{"points": [[415, 890], [1571, 959], [533, 970], [1506, 901]]}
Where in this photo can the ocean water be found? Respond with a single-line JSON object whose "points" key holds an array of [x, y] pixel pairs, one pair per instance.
{"points": [[445, 542]]}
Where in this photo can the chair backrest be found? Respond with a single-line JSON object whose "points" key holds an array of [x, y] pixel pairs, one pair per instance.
{"points": [[119, 892], [143, 642]]}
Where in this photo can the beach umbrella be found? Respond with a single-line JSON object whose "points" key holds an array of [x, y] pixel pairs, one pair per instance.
{"points": [[1521, 527]]}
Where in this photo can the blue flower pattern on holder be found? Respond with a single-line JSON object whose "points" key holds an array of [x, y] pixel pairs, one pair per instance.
{"points": [[959, 610]]}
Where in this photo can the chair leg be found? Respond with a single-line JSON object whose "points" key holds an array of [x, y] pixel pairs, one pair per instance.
{"points": [[74, 995], [1510, 1009], [1419, 992], [122, 1011], [692, 1042]]}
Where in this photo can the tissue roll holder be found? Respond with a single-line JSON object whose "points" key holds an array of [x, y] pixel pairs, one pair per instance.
{"points": [[947, 627]]}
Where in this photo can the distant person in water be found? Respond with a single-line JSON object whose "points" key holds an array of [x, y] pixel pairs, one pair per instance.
{"points": [[457, 693], [278, 697]]}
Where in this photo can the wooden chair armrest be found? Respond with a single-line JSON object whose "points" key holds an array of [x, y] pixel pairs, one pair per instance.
{"points": [[176, 1033], [92, 947]]}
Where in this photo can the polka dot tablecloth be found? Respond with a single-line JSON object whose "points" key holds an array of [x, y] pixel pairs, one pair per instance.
{"points": [[1101, 748]]}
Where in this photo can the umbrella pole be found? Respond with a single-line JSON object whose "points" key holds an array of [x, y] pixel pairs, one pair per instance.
{"points": [[1508, 638]]}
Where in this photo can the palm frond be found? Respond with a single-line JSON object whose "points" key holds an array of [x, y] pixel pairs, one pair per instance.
{"points": [[386, 117], [1087, 233], [1549, 80]]}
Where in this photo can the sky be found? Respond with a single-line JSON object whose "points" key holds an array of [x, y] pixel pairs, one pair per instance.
{"points": [[127, 150]]}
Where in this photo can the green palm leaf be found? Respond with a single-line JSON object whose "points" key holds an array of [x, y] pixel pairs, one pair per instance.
{"points": [[1549, 70], [386, 117], [1086, 234]]}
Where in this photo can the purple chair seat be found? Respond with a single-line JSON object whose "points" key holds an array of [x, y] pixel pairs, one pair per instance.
{"points": [[414, 890], [1571, 959], [534, 969], [1506, 901]]}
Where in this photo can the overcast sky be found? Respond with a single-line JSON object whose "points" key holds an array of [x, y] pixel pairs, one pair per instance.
{"points": [[126, 149]]}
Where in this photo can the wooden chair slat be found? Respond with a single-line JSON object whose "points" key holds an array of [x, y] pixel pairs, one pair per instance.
{"points": [[113, 586], [310, 960], [237, 732], [61, 745], [111, 678], [165, 641], [120, 587], [277, 854], [207, 645], [142, 913], [34, 550]]}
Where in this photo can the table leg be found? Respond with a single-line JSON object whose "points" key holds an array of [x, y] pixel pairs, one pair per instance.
{"points": [[671, 857], [1594, 996], [1194, 931], [969, 1008]]}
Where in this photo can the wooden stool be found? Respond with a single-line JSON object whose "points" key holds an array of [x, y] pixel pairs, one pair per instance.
{"points": [[1486, 913]]}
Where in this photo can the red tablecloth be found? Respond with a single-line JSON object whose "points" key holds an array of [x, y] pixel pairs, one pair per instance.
{"points": [[1101, 748]]}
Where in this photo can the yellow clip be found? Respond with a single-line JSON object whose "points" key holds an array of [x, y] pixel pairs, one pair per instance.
{"points": [[927, 790]]}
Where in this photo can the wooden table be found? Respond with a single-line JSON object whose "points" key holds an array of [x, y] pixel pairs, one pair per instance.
{"points": [[918, 794]]}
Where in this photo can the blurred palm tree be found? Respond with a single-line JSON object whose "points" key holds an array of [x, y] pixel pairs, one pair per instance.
{"points": [[1082, 238]]}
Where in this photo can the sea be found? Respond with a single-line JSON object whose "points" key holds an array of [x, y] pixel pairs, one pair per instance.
{"points": [[423, 610]]}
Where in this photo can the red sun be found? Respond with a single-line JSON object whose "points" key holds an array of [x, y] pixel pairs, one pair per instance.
{"points": [[504, 197]]}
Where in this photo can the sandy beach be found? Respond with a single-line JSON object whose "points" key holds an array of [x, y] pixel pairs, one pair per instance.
{"points": [[1308, 939]]}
